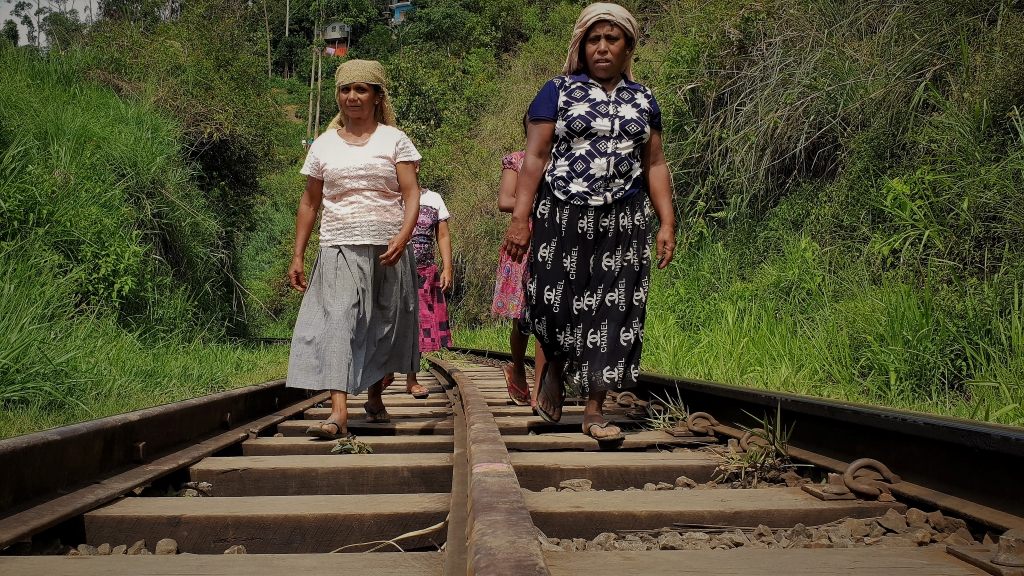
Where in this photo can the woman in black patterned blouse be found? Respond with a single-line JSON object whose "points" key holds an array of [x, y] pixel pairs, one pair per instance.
{"points": [[599, 134]]}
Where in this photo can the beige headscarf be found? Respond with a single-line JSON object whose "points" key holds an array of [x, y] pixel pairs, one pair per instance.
{"points": [[367, 72], [595, 13]]}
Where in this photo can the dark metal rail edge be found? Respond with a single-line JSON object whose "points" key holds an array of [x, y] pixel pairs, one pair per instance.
{"points": [[976, 461], [64, 459]]}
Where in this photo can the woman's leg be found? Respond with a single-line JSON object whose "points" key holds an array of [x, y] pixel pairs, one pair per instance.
{"points": [[337, 422], [551, 390], [516, 372], [375, 401], [538, 369]]}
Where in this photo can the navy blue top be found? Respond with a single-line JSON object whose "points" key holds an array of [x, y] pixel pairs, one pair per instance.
{"points": [[595, 155]]}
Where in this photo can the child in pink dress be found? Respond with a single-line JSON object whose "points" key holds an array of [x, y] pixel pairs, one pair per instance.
{"points": [[431, 228], [510, 293]]}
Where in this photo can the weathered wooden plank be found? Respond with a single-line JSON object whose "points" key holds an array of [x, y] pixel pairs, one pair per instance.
{"points": [[357, 413], [568, 423], [298, 445], [269, 524], [578, 441], [611, 470], [408, 426], [333, 474], [434, 401], [587, 514], [379, 564], [743, 562]]}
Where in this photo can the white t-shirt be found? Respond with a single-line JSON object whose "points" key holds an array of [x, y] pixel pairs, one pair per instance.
{"points": [[362, 203]]}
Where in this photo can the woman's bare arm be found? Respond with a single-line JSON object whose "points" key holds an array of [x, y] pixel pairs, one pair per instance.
{"points": [[659, 185], [410, 188], [444, 242], [309, 205], [539, 136], [507, 190]]}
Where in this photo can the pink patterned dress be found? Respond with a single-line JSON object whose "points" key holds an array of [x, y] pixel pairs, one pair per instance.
{"points": [[510, 288], [435, 331]]}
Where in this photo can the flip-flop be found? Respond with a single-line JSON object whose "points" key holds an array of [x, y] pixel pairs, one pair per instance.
{"points": [[607, 441], [387, 380], [371, 414], [550, 418], [515, 393], [422, 395], [318, 432]]}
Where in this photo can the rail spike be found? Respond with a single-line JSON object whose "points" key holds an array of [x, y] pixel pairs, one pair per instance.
{"points": [[700, 422], [866, 486]]}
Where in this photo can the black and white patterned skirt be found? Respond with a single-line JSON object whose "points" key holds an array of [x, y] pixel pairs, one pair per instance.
{"points": [[589, 274]]}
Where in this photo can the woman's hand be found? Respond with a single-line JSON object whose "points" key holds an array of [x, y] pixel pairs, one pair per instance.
{"points": [[666, 244], [297, 274], [396, 246], [446, 280], [517, 239]]}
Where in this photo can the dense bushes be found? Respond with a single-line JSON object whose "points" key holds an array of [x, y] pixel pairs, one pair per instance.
{"points": [[849, 180], [116, 251]]}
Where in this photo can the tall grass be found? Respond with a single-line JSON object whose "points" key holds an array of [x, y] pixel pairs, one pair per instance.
{"points": [[112, 260], [848, 179]]}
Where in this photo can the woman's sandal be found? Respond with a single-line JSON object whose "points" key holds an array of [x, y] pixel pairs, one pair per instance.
{"points": [[387, 380], [545, 383], [371, 415], [604, 441], [319, 432], [419, 395], [516, 394]]}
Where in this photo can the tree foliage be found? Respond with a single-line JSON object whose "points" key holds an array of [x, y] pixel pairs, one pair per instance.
{"points": [[10, 32]]}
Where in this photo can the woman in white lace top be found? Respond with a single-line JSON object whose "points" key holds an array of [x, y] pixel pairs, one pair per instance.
{"points": [[358, 323]]}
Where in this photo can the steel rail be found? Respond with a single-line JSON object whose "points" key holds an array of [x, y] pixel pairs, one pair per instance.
{"points": [[502, 540], [963, 466], [76, 468]]}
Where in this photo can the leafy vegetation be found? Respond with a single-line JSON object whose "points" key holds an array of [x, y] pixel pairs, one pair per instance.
{"points": [[116, 245], [848, 180]]}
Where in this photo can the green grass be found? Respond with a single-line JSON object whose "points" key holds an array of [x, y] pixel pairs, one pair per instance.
{"points": [[805, 326], [848, 181], [115, 283]]}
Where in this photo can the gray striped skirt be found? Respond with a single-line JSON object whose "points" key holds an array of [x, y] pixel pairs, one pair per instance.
{"points": [[358, 321]]}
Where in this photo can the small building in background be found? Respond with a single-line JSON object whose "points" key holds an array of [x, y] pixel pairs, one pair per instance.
{"points": [[337, 35], [399, 8]]}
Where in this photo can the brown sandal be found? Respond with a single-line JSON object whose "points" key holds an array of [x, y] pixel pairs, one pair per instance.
{"points": [[606, 441], [545, 381], [318, 431], [372, 415]]}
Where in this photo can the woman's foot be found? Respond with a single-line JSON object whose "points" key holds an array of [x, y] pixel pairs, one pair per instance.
{"points": [[551, 395], [329, 430], [600, 429], [376, 414], [413, 387], [517, 387]]}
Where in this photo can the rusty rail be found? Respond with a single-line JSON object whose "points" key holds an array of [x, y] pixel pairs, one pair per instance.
{"points": [[501, 534]]}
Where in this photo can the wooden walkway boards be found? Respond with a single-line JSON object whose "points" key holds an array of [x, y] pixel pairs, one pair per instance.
{"points": [[800, 562]]}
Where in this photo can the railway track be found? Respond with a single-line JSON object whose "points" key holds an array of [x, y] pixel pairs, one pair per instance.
{"points": [[466, 483]]}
